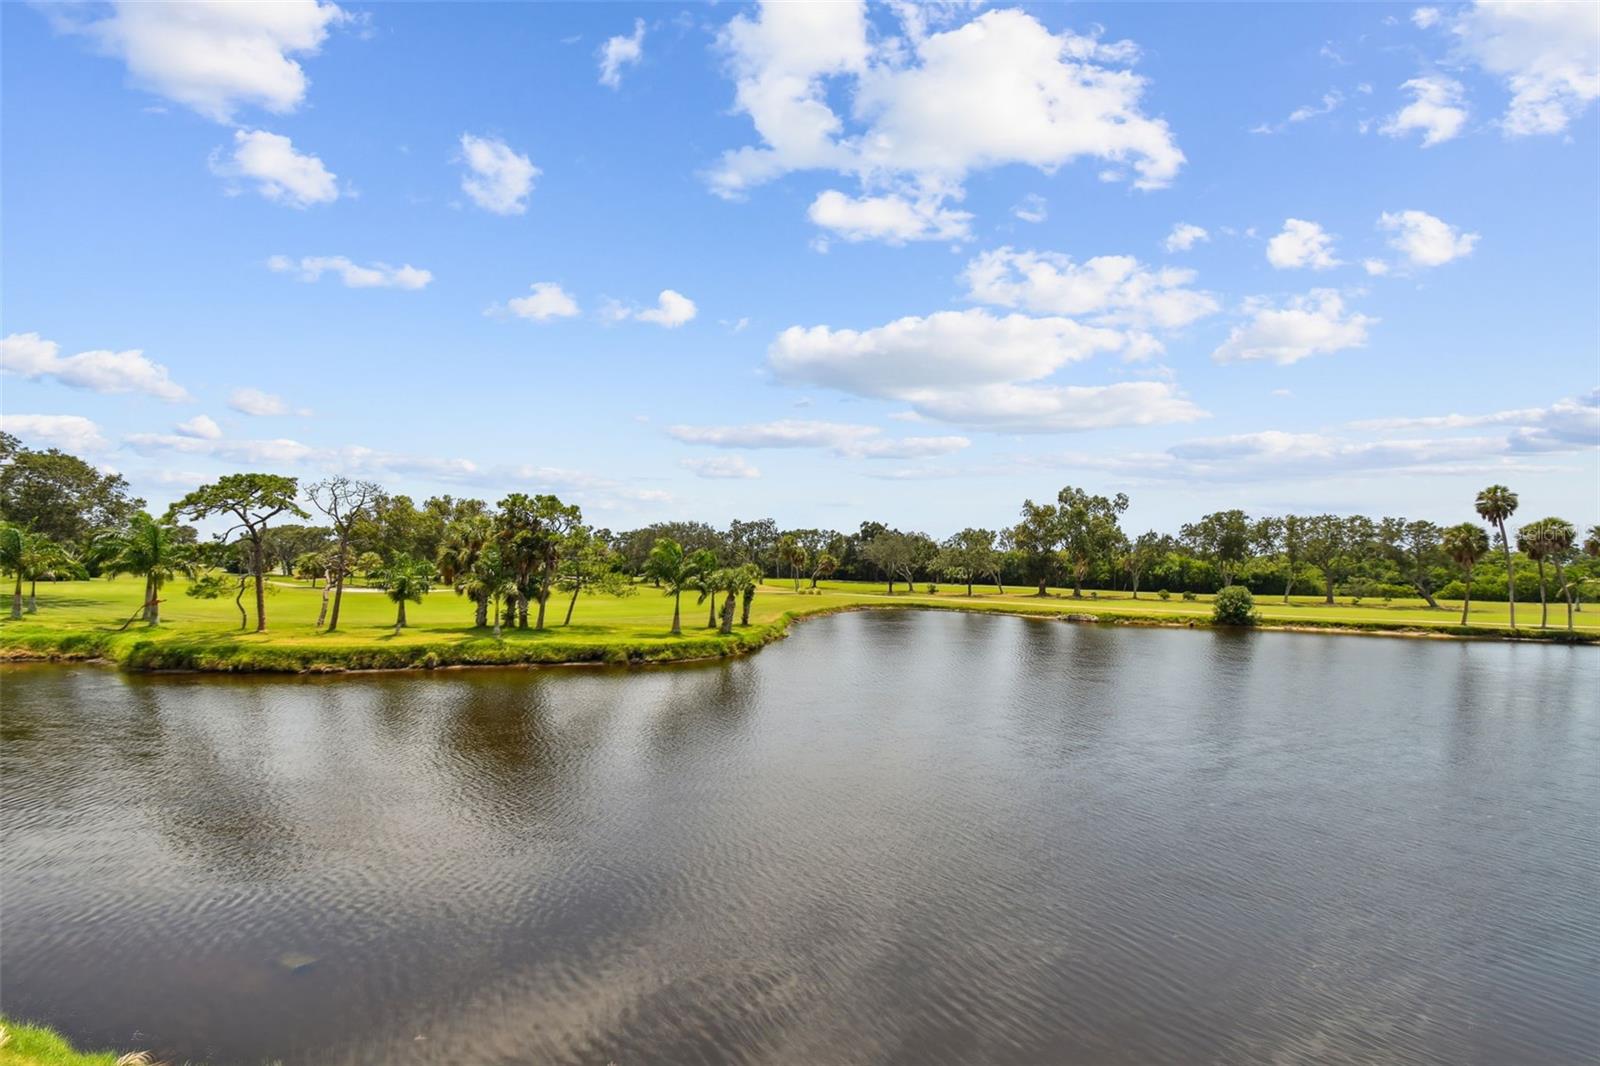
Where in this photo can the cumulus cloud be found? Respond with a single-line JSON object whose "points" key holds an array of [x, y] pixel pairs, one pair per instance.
{"points": [[201, 427], [1547, 53], [213, 58], [619, 52], [1425, 17], [721, 466], [672, 310], [353, 275], [1424, 240], [1437, 109], [928, 108], [1569, 424], [548, 300], [843, 438], [279, 173], [891, 218], [70, 433], [1110, 289], [30, 356], [1314, 324], [1301, 244], [1184, 236], [498, 178], [280, 450], [975, 368], [256, 402]]}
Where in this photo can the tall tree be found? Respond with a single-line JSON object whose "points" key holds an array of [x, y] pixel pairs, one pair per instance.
{"points": [[1089, 530], [792, 553], [1141, 555], [1560, 541], [589, 564], [1415, 548], [59, 496], [405, 580], [21, 553], [464, 542], [1495, 505], [1036, 539], [1329, 542], [252, 500], [156, 550], [1222, 538], [677, 570], [1466, 543], [346, 503]]}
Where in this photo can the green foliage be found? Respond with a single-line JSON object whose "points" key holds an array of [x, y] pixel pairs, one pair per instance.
{"points": [[1234, 606], [36, 1045], [1188, 595], [1164, 594]]}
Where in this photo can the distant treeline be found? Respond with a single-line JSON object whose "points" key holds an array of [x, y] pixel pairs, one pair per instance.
{"points": [[65, 518]]}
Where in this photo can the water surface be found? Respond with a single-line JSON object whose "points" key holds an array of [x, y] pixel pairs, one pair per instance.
{"points": [[892, 838]]}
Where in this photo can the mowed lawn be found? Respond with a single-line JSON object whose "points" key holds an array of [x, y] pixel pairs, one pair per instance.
{"points": [[367, 616]]}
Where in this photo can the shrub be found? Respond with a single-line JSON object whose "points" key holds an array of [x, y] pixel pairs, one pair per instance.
{"points": [[1188, 595], [1164, 594], [1234, 606], [933, 590]]}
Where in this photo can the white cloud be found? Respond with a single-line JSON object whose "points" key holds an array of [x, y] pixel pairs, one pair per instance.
{"points": [[1031, 208], [280, 173], [843, 438], [1569, 424], [498, 179], [1301, 244], [1437, 108], [1425, 240], [70, 433], [672, 310], [1184, 236], [256, 402], [1314, 324], [973, 368], [30, 356], [1375, 267], [1112, 289], [721, 466], [1547, 53], [280, 450], [891, 218], [549, 300], [1425, 17], [201, 427], [619, 52], [927, 109], [216, 57], [354, 276]]}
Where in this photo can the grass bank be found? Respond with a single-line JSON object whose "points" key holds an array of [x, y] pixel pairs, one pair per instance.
{"points": [[80, 620], [35, 1045]]}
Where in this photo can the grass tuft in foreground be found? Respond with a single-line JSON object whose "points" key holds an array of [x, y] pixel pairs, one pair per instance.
{"points": [[35, 1045]]}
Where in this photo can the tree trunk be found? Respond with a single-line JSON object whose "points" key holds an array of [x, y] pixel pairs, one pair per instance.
{"points": [[33, 595], [322, 614], [999, 586], [727, 616], [497, 618], [1433, 604], [1328, 580], [677, 604], [813, 580], [16, 598], [149, 595], [259, 564], [153, 616], [544, 598], [238, 601], [1135, 577], [1041, 591], [342, 561], [1566, 593], [1511, 577], [571, 604], [400, 617], [1544, 605], [1288, 586], [1466, 599], [522, 610], [969, 588], [749, 598], [480, 614]]}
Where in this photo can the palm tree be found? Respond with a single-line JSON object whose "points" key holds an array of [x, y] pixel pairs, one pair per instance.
{"points": [[1556, 540], [824, 566], [405, 580], [1496, 504], [1531, 541], [491, 581], [463, 546], [677, 570], [750, 579], [1466, 543], [14, 555], [150, 548], [791, 553]]}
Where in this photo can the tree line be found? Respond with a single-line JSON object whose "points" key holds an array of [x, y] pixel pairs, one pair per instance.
{"points": [[510, 560]]}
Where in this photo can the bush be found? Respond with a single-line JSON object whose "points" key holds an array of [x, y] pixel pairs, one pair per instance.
{"points": [[1234, 606], [1164, 594], [1188, 595]]}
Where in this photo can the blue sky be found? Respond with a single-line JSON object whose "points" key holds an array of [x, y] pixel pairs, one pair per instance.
{"points": [[822, 263]]}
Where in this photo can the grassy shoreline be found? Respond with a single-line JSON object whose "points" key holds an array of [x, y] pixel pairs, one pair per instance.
{"points": [[77, 622]]}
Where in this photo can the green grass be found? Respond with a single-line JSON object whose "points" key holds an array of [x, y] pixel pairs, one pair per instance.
{"points": [[34, 1045], [78, 620]]}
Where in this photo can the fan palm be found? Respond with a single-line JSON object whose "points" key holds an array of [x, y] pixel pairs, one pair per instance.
{"points": [[1466, 543], [1557, 537], [463, 546], [1495, 504]]}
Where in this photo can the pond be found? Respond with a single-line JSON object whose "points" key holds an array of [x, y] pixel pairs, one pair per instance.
{"points": [[892, 838]]}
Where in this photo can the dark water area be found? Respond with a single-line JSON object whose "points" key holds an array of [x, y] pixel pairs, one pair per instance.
{"points": [[916, 838]]}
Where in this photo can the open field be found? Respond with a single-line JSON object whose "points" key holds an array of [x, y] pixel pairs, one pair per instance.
{"points": [[80, 620]]}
